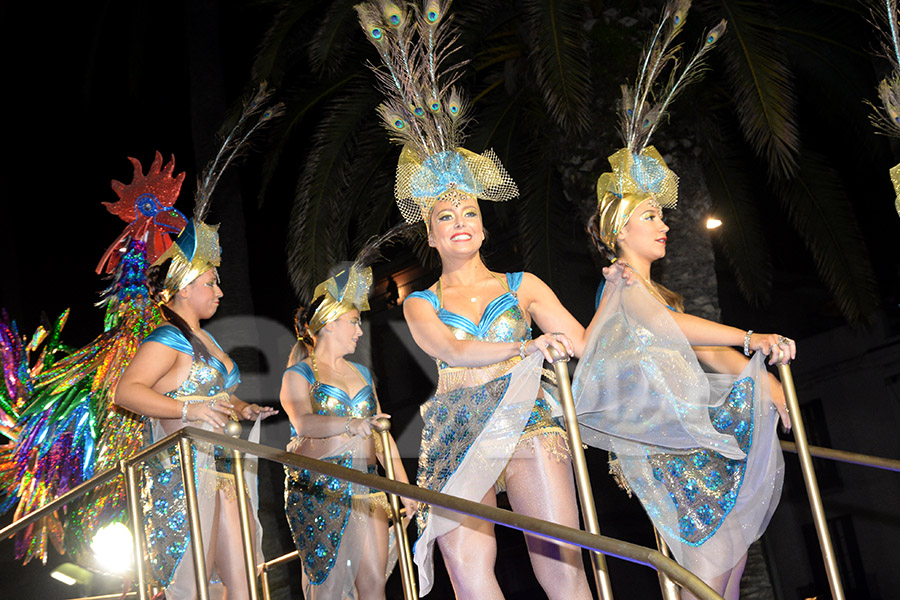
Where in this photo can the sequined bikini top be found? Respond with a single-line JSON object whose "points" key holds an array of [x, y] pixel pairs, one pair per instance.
{"points": [[501, 321], [205, 378], [332, 400]]}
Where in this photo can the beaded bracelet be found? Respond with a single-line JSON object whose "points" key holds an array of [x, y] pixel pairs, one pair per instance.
{"points": [[184, 406], [747, 342], [347, 426], [522, 345]]}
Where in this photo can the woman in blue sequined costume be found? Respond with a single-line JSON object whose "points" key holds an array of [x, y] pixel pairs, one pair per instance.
{"points": [[180, 376], [340, 528], [699, 451], [489, 425]]}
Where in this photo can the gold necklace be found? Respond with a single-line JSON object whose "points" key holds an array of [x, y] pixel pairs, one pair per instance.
{"points": [[472, 299], [648, 285]]}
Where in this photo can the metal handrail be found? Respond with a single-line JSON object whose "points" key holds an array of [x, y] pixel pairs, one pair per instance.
{"points": [[623, 550], [553, 531], [853, 458], [560, 533]]}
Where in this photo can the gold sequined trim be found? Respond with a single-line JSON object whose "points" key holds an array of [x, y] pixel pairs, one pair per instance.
{"points": [[454, 378], [553, 439], [615, 469], [225, 483]]}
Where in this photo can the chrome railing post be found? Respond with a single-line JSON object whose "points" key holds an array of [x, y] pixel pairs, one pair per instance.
{"points": [[582, 478], [264, 582], [812, 486], [193, 508], [383, 427], [136, 515], [233, 428]]}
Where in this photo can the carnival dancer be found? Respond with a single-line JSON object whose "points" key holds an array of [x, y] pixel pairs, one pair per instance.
{"points": [[489, 426], [332, 405], [699, 451], [179, 376]]}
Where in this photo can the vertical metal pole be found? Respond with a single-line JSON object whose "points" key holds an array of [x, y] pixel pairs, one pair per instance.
{"points": [[668, 587], [137, 525], [244, 513], [383, 427], [582, 479], [812, 486], [264, 582], [190, 492]]}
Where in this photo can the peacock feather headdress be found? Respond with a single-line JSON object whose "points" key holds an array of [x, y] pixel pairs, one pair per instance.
{"points": [[424, 112], [638, 170]]}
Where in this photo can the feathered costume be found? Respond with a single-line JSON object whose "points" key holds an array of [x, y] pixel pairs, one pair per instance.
{"points": [[888, 120], [479, 416], [68, 427], [700, 451]]}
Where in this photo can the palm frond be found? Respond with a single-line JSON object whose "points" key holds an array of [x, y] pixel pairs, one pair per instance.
{"points": [[318, 235], [296, 107], [741, 236], [761, 84], [279, 44], [543, 215], [557, 54], [335, 33], [820, 211]]}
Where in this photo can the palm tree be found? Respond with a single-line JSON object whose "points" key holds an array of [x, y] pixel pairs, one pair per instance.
{"points": [[542, 78]]}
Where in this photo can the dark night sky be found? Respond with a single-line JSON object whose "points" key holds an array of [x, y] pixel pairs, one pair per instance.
{"points": [[88, 84]]}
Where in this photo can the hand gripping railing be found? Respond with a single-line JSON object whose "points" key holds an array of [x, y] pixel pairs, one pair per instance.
{"points": [[530, 525]]}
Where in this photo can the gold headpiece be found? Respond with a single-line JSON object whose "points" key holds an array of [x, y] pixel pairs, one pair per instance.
{"points": [[344, 292], [638, 170], [634, 178], [196, 250], [424, 113], [446, 175]]}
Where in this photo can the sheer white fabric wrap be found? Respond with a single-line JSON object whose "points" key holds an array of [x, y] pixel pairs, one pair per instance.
{"points": [[183, 583], [485, 460], [341, 581], [639, 383], [639, 390]]}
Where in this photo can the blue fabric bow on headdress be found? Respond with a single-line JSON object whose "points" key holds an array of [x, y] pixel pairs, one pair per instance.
{"points": [[441, 172]]}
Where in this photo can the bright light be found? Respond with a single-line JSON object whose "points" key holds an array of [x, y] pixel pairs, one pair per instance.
{"points": [[712, 223], [70, 574], [113, 547], [63, 577]]}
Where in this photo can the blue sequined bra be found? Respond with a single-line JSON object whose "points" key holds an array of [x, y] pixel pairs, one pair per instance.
{"points": [[333, 401], [206, 377], [501, 321]]}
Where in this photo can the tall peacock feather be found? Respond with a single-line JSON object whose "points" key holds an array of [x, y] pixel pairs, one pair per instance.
{"points": [[638, 170], [424, 112], [887, 121]]}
